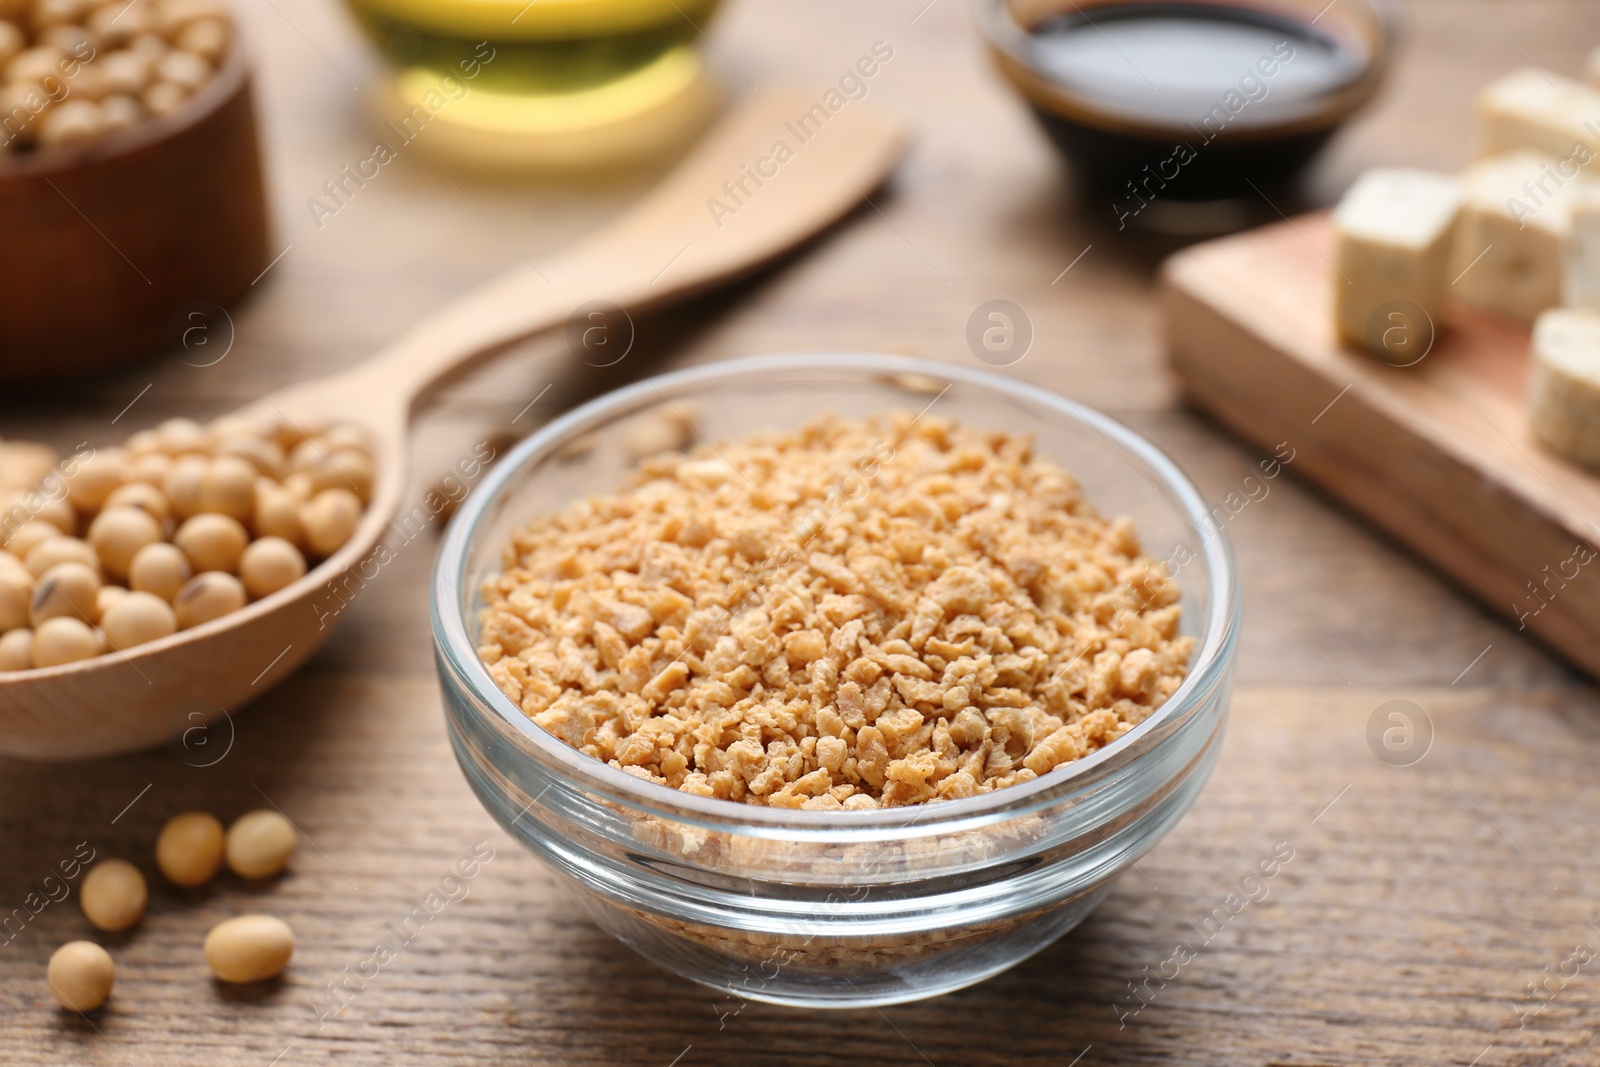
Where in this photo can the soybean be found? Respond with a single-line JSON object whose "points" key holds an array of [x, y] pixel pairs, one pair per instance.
{"points": [[59, 549], [184, 69], [347, 435], [207, 596], [114, 895], [151, 467], [140, 494], [118, 533], [58, 513], [182, 484], [180, 436], [228, 487], [264, 455], [123, 113], [160, 569], [107, 596], [189, 848], [67, 589], [163, 97], [63, 639], [137, 618], [95, 477], [31, 535], [277, 512], [269, 564], [73, 122], [250, 948], [16, 650], [206, 38], [16, 589], [126, 72], [212, 542], [329, 519], [259, 844], [81, 975]]}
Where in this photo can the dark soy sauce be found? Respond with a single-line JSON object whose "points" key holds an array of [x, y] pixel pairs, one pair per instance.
{"points": [[1190, 101]]}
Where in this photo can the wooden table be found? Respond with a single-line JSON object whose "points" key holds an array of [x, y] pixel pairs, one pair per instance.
{"points": [[1421, 901]]}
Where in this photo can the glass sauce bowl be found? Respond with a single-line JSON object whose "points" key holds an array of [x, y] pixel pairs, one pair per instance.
{"points": [[1207, 112]]}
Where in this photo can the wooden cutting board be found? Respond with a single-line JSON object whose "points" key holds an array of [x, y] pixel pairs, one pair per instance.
{"points": [[1437, 454]]}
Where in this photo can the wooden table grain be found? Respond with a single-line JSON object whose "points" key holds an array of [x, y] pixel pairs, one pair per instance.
{"points": [[1443, 912]]}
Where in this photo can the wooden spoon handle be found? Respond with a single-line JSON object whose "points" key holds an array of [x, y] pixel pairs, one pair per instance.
{"points": [[713, 218], [514, 305]]}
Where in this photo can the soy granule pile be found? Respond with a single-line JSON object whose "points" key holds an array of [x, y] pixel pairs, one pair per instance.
{"points": [[851, 616]]}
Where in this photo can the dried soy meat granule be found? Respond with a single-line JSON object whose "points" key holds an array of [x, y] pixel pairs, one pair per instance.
{"points": [[854, 615]]}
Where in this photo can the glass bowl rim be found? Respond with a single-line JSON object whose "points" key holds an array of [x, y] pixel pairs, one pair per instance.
{"points": [[454, 645]]}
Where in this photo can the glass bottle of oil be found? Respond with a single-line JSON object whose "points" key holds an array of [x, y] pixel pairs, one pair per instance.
{"points": [[542, 83]]}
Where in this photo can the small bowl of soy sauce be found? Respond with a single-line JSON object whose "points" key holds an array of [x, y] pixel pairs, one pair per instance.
{"points": [[1191, 116]]}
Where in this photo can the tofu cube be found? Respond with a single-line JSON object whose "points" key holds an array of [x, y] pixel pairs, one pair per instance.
{"points": [[1564, 383], [1394, 228], [1516, 213], [1580, 270], [1529, 109]]}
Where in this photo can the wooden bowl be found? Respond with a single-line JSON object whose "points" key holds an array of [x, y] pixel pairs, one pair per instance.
{"points": [[106, 243]]}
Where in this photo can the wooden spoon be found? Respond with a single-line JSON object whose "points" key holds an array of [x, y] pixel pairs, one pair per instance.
{"points": [[738, 202]]}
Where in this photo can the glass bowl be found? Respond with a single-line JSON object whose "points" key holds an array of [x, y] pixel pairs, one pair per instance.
{"points": [[542, 86], [1223, 121], [825, 908]]}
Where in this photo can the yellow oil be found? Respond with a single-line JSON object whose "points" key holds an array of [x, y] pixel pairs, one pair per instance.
{"points": [[515, 83]]}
